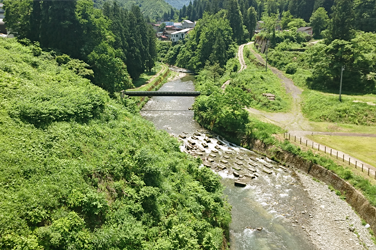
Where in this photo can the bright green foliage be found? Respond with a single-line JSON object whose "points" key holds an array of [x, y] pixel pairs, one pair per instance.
{"points": [[319, 21], [78, 171], [359, 58], [329, 109], [286, 19], [341, 24], [236, 21], [211, 41], [296, 23]]}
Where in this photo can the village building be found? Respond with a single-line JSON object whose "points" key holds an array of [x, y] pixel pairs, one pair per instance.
{"points": [[187, 24], [3, 30], [307, 30], [179, 35]]}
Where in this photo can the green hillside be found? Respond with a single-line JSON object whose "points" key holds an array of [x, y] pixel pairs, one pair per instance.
{"points": [[178, 4], [150, 8], [78, 170]]}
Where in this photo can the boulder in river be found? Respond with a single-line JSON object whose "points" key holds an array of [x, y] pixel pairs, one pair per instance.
{"points": [[236, 168], [210, 159], [236, 174], [219, 143], [267, 171], [183, 136], [197, 134], [224, 161], [239, 158], [239, 163], [215, 151], [207, 164], [226, 156], [194, 138], [252, 169], [217, 147], [240, 184], [204, 145], [221, 167], [212, 155], [207, 140], [191, 142]]}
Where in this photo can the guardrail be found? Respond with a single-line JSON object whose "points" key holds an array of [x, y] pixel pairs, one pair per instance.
{"points": [[162, 93]]}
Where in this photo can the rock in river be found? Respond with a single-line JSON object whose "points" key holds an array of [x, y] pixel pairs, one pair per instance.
{"points": [[212, 155], [183, 136], [204, 145], [240, 184], [224, 161], [191, 142]]}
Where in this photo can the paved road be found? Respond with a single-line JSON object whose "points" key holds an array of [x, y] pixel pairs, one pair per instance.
{"points": [[297, 124]]}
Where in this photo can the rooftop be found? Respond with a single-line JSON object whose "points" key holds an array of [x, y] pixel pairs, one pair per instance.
{"points": [[304, 28], [188, 21], [181, 31]]}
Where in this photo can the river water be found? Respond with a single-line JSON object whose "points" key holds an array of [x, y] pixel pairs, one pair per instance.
{"points": [[264, 212]]}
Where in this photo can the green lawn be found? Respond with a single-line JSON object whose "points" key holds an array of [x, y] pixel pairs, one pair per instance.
{"points": [[362, 148], [145, 77]]}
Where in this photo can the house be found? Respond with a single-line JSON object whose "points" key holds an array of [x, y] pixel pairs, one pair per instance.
{"points": [[156, 26], [3, 30], [179, 35], [259, 26], [307, 30], [186, 24], [178, 25]]}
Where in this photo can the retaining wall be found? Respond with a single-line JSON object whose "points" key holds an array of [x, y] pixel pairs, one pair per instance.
{"points": [[354, 197]]}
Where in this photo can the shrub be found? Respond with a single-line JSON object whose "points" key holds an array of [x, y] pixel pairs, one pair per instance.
{"points": [[291, 68]]}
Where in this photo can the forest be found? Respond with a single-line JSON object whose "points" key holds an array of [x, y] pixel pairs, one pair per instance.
{"points": [[117, 44]]}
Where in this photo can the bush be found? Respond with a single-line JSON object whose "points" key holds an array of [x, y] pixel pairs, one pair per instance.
{"points": [[291, 68]]}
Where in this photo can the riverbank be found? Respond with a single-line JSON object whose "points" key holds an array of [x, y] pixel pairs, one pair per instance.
{"points": [[331, 223]]}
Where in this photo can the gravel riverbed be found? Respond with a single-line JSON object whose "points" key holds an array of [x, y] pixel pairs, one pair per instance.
{"points": [[331, 223]]}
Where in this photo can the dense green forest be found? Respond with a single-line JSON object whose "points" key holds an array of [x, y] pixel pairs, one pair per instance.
{"points": [[178, 4], [116, 43], [79, 170]]}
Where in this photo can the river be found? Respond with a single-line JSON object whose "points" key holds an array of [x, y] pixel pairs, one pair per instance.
{"points": [[263, 212]]}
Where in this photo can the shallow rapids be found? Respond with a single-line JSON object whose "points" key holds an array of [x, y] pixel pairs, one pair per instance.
{"points": [[263, 211]]}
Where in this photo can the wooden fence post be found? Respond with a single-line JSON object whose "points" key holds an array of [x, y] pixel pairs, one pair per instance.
{"points": [[295, 138], [356, 163], [362, 167], [368, 171], [343, 158], [349, 160], [300, 140], [330, 152], [337, 154], [306, 142]]}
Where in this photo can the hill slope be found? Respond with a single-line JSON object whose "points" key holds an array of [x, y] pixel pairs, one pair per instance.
{"points": [[79, 171], [150, 8], [178, 4]]}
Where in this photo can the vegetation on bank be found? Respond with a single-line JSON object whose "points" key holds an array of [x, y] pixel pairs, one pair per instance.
{"points": [[78, 170], [117, 44]]}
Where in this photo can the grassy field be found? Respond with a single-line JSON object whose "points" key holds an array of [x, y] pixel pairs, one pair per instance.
{"points": [[343, 128], [362, 148]]}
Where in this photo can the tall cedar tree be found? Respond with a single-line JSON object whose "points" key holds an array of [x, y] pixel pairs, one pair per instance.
{"points": [[342, 22], [236, 21]]}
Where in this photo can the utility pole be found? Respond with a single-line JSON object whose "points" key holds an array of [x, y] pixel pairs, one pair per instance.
{"points": [[266, 60], [340, 85]]}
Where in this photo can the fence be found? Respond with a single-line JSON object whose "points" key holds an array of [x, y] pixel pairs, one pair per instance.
{"points": [[332, 153]]}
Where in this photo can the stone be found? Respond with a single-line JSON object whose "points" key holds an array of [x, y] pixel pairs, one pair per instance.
{"points": [[236, 168], [194, 138], [191, 142], [215, 151], [252, 169], [210, 159], [207, 164], [259, 228], [207, 140], [183, 136], [224, 161], [236, 174], [226, 156], [267, 171], [204, 145], [197, 134], [217, 147], [221, 167], [240, 158], [240, 184], [212, 155], [239, 163], [219, 143]]}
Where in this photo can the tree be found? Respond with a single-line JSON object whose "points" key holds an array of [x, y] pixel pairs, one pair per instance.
{"points": [[296, 23], [319, 21], [286, 19], [365, 15], [236, 21], [342, 22], [251, 21]]}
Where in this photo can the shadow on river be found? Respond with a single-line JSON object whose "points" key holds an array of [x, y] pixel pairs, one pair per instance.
{"points": [[263, 212]]}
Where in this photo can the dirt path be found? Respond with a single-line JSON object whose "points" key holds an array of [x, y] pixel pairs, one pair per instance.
{"points": [[243, 65], [294, 121]]}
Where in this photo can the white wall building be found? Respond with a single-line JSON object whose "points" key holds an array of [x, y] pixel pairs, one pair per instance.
{"points": [[179, 35]]}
